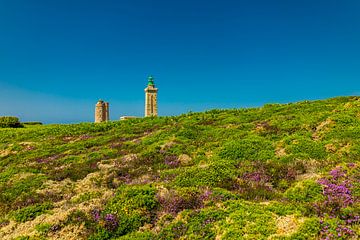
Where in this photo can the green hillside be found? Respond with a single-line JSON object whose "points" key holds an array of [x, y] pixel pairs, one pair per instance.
{"points": [[282, 171]]}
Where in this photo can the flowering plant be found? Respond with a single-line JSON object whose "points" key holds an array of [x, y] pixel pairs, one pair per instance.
{"points": [[335, 213]]}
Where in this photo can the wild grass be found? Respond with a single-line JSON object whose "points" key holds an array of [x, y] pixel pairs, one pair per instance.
{"points": [[282, 171]]}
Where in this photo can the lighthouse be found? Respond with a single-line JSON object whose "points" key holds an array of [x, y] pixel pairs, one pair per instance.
{"points": [[151, 98]]}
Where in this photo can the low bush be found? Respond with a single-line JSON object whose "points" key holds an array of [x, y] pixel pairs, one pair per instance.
{"points": [[193, 225], [337, 212], [217, 174], [284, 208], [130, 209], [147, 235], [254, 148], [307, 148], [307, 191], [185, 198], [43, 228], [249, 219], [10, 122], [21, 189], [308, 230], [78, 217], [31, 212], [32, 123]]}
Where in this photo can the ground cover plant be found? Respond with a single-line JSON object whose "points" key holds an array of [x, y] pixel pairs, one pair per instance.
{"points": [[281, 171]]}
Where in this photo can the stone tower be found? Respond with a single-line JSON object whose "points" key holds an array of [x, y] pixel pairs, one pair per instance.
{"points": [[101, 111], [151, 98], [107, 115]]}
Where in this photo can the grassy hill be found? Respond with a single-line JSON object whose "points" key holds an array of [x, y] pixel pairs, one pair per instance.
{"points": [[288, 171]]}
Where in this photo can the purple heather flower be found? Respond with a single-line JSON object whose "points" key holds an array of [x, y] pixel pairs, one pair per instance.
{"points": [[111, 222], [337, 173], [172, 160], [96, 214], [351, 164], [337, 190]]}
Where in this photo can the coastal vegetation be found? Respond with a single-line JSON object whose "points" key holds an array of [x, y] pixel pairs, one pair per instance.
{"points": [[281, 171]]}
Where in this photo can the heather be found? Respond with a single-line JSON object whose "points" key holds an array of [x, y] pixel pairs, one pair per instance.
{"points": [[281, 171]]}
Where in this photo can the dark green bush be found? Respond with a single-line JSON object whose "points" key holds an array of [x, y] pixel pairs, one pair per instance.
{"points": [[10, 122], [32, 123]]}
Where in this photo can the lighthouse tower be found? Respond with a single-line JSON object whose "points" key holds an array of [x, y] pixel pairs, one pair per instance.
{"points": [[151, 98]]}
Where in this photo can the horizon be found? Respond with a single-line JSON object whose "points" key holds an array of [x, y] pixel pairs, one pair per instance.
{"points": [[58, 58], [190, 111]]}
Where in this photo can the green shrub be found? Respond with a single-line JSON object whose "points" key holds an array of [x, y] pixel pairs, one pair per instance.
{"points": [[22, 238], [200, 225], [130, 209], [247, 219], [173, 231], [31, 212], [43, 228], [79, 217], [85, 197], [284, 208], [307, 148], [193, 225], [254, 148], [147, 235], [10, 122], [74, 171], [217, 174], [221, 194], [307, 191], [20, 188], [133, 198], [308, 230]]}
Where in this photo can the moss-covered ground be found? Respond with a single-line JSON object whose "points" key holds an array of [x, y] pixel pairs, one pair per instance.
{"points": [[282, 171]]}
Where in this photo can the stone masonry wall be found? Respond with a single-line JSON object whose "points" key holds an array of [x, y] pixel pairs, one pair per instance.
{"points": [[151, 101], [101, 111]]}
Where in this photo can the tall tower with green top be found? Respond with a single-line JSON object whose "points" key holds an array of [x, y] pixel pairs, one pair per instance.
{"points": [[151, 98]]}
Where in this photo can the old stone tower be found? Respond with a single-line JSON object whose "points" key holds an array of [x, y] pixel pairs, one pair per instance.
{"points": [[151, 98], [101, 111]]}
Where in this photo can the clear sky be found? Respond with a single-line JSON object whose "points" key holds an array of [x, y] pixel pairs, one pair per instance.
{"points": [[57, 58]]}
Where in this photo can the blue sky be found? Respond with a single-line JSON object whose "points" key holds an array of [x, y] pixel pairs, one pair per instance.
{"points": [[57, 58]]}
